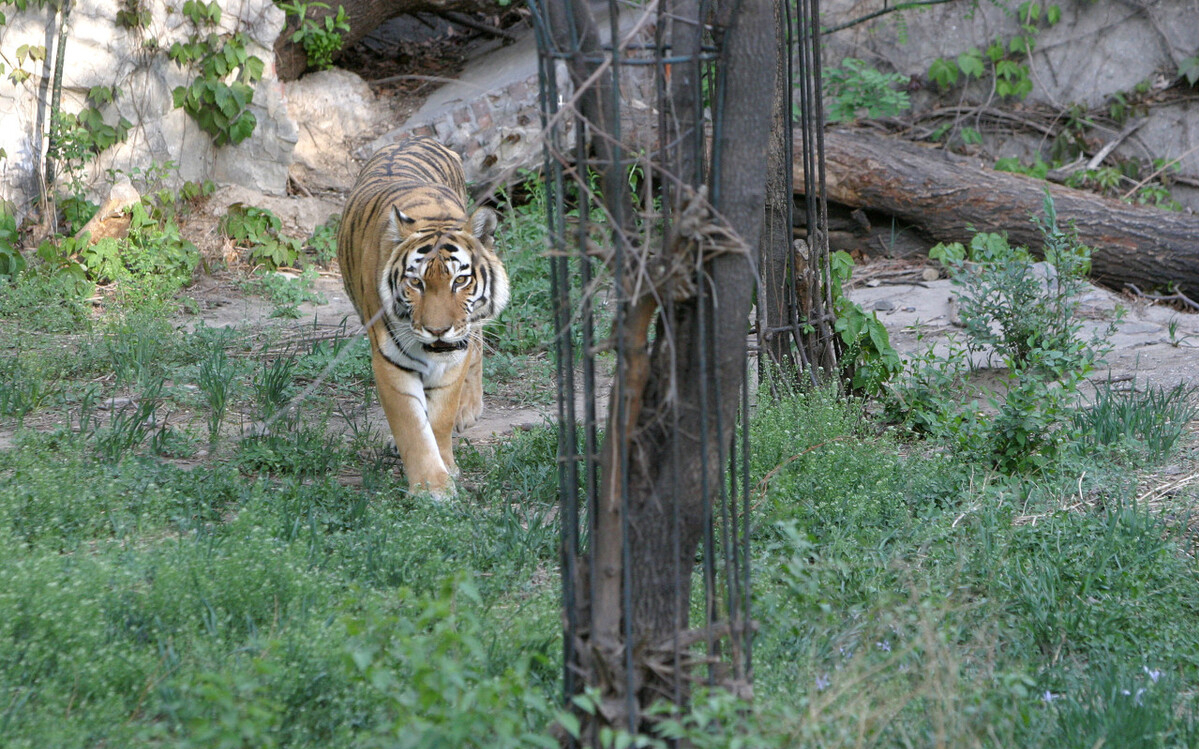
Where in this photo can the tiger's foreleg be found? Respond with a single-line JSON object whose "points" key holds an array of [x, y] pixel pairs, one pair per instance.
{"points": [[410, 417], [470, 402]]}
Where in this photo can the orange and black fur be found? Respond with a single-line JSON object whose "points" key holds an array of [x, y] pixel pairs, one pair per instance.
{"points": [[425, 277]]}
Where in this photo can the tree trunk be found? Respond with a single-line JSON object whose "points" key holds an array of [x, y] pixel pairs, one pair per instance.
{"points": [[364, 17], [676, 393], [774, 308], [952, 196]]}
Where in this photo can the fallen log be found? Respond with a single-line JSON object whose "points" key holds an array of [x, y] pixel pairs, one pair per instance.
{"points": [[951, 197]]}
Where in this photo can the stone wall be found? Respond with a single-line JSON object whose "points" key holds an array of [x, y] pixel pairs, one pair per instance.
{"points": [[134, 63], [1099, 48]]}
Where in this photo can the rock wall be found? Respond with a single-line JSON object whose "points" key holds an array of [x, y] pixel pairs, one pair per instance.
{"points": [[134, 63], [1098, 48]]}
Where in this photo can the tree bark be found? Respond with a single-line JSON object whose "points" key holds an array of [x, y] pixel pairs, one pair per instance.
{"points": [[696, 367], [951, 197], [364, 17], [676, 393], [774, 308]]}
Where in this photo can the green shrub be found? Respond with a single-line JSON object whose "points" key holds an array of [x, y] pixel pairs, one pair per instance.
{"points": [[429, 663], [855, 86], [259, 230], [1022, 313]]}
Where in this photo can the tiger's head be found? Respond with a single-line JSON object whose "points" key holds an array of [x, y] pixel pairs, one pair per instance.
{"points": [[442, 276]]}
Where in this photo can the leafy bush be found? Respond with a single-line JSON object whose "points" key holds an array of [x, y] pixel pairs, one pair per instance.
{"points": [[869, 359], [323, 241], [259, 230], [320, 40], [1023, 313], [11, 260], [855, 85], [429, 664]]}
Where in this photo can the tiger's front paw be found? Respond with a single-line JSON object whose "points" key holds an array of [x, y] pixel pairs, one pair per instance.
{"points": [[439, 485]]}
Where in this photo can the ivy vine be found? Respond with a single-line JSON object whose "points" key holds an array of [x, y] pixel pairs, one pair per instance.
{"points": [[219, 97]]}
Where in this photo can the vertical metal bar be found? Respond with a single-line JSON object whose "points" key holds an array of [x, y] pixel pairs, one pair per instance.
{"points": [[746, 615]]}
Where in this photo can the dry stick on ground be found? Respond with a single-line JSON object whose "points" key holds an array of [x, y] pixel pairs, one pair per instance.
{"points": [[951, 197], [1159, 170], [1176, 297]]}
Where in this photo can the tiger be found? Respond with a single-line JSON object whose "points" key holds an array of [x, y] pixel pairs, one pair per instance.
{"points": [[423, 276]]}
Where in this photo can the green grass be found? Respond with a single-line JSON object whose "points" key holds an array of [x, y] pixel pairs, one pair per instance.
{"points": [[283, 588]]}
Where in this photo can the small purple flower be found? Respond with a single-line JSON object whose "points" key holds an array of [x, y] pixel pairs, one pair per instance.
{"points": [[884, 646], [1048, 697], [1154, 675], [822, 682]]}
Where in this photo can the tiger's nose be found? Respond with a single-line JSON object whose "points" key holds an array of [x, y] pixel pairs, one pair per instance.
{"points": [[436, 332]]}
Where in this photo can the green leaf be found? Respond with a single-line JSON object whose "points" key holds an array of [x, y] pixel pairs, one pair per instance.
{"points": [[1053, 15], [242, 127], [1189, 69], [943, 72], [971, 62], [254, 69]]}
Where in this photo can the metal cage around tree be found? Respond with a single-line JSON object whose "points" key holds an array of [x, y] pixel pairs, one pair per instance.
{"points": [[657, 122]]}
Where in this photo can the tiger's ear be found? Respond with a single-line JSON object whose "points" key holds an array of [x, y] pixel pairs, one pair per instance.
{"points": [[482, 224], [399, 224]]}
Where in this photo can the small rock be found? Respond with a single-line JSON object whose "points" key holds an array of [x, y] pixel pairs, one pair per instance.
{"points": [[884, 305], [930, 274], [112, 403], [909, 309]]}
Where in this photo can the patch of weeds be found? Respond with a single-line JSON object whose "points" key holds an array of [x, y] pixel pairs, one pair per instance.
{"points": [[215, 380], [305, 452], [521, 379], [1023, 313], [429, 663], [320, 38], [323, 242], [222, 708], [286, 291], [816, 458], [103, 500], [12, 262], [46, 301], [148, 266], [1121, 705], [260, 231], [138, 348], [519, 478], [869, 360], [25, 385], [131, 424], [343, 361], [527, 322], [1149, 423], [855, 86], [274, 384]]}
